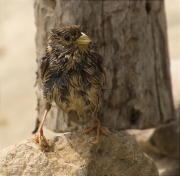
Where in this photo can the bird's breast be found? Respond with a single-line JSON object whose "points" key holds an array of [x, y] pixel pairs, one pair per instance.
{"points": [[77, 82]]}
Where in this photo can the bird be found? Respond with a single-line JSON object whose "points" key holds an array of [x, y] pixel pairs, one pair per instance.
{"points": [[72, 75]]}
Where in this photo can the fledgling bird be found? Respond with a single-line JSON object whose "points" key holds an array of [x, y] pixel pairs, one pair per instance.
{"points": [[73, 76]]}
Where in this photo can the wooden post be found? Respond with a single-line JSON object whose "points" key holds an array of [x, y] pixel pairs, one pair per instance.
{"points": [[132, 38]]}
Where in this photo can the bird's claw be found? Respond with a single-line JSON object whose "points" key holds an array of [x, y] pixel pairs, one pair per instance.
{"points": [[41, 139], [98, 129], [103, 131]]}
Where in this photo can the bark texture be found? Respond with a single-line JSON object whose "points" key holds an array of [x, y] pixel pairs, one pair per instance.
{"points": [[131, 36]]}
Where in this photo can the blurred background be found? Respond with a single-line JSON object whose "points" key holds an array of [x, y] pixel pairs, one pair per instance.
{"points": [[18, 67]]}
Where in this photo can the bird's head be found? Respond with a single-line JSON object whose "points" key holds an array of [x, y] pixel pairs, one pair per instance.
{"points": [[70, 36]]}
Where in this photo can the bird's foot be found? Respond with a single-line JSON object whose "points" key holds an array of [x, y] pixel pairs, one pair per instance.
{"points": [[98, 129], [40, 138]]}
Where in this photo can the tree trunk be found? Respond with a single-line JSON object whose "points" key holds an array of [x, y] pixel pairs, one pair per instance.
{"points": [[131, 36]]}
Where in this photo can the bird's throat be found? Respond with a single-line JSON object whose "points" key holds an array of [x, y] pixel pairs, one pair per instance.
{"points": [[83, 48]]}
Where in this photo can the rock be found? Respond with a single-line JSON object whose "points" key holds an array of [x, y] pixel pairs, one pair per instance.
{"points": [[162, 145], [72, 154], [167, 166], [166, 138], [163, 140]]}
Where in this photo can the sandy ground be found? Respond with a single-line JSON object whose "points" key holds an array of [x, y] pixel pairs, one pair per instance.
{"points": [[18, 66]]}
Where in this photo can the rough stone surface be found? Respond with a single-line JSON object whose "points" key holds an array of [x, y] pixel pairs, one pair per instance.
{"points": [[72, 154], [131, 36], [167, 166], [162, 145]]}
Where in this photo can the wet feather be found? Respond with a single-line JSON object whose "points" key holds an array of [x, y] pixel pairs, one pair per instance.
{"points": [[72, 75]]}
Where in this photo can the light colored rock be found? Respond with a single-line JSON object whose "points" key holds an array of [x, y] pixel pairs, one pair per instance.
{"points": [[72, 154]]}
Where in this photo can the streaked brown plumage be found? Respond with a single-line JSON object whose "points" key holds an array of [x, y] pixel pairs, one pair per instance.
{"points": [[73, 76]]}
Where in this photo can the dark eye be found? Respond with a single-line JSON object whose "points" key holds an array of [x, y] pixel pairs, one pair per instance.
{"points": [[67, 37]]}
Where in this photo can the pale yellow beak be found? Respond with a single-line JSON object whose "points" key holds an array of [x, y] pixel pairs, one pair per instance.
{"points": [[83, 39]]}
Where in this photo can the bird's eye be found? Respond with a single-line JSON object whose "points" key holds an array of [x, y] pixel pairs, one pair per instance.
{"points": [[67, 37]]}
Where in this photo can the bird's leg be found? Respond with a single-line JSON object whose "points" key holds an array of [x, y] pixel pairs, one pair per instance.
{"points": [[98, 127], [40, 138]]}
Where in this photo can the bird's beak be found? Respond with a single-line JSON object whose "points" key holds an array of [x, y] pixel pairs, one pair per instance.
{"points": [[83, 39]]}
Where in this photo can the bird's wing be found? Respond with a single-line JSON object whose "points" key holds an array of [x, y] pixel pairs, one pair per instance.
{"points": [[100, 71], [44, 65], [101, 67]]}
